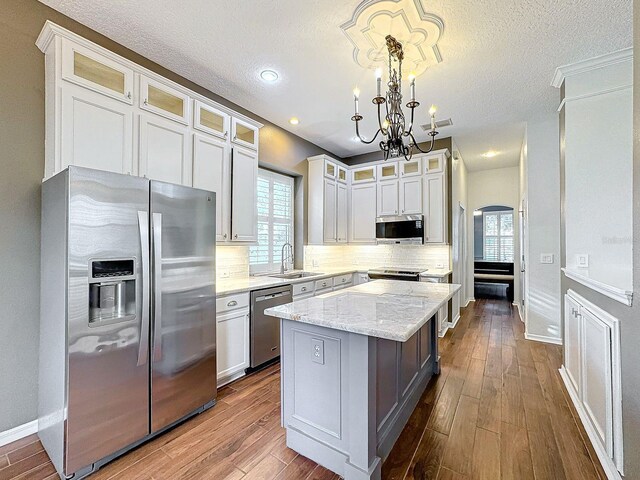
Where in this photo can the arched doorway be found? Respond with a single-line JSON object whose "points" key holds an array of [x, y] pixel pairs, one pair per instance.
{"points": [[494, 252]]}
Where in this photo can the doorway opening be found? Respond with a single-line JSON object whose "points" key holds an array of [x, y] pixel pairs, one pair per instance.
{"points": [[493, 247]]}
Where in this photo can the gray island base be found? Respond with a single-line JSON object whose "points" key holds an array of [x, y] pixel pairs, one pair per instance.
{"points": [[354, 365]]}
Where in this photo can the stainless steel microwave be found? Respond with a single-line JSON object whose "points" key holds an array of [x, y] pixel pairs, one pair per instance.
{"points": [[400, 229]]}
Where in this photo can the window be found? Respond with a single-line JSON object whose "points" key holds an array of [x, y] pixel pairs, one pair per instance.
{"points": [[275, 221], [498, 236]]}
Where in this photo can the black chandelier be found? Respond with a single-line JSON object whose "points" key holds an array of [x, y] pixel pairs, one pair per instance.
{"points": [[393, 128]]}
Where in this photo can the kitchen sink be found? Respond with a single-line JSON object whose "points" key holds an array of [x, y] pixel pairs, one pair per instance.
{"points": [[292, 275]]}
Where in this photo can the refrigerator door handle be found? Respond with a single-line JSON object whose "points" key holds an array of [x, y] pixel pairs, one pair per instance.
{"points": [[143, 348], [157, 287]]}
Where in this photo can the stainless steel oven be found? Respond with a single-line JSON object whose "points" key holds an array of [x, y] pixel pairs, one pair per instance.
{"points": [[400, 229]]}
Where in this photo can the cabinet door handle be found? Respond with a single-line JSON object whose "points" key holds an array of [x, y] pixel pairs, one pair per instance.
{"points": [[235, 236], [146, 101], [232, 303], [225, 134], [129, 95], [224, 236]]}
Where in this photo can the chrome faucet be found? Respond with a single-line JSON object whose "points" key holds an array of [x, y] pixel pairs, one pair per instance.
{"points": [[283, 266]]}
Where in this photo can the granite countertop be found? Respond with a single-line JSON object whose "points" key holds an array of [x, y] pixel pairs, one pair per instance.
{"points": [[229, 286], [383, 308]]}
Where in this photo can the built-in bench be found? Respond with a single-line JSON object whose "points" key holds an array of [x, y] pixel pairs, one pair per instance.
{"points": [[494, 272]]}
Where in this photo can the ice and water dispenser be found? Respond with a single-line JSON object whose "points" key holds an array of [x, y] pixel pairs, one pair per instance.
{"points": [[112, 291]]}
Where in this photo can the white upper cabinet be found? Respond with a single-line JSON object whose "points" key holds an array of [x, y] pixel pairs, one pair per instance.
{"points": [[211, 158], [388, 198], [363, 175], [244, 133], [410, 195], [434, 162], [244, 186], [387, 171], [362, 213], [342, 174], [330, 212], [412, 168], [89, 69], [210, 120], [97, 132], [342, 207], [164, 100], [165, 152], [435, 215], [330, 169]]}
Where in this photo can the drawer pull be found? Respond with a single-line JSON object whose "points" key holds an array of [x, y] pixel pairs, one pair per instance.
{"points": [[324, 284], [344, 280], [303, 289], [232, 303]]}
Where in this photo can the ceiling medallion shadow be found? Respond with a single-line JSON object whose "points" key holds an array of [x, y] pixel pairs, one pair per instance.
{"points": [[418, 31]]}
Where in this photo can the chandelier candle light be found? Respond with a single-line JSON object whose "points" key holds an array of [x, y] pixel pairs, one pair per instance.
{"points": [[393, 128]]}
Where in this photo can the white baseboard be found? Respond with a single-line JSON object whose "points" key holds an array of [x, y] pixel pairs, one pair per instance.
{"points": [[543, 338], [16, 433], [469, 300], [606, 462], [455, 322]]}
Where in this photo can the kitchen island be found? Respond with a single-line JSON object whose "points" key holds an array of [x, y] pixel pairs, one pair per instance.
{"points": [[354, 365]]}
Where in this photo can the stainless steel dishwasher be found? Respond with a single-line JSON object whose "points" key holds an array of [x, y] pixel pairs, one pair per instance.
{"points": [[265, 330]]}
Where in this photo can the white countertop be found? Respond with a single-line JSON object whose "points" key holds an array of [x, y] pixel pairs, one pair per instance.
{"points": [[388, 309], [229, 286]]}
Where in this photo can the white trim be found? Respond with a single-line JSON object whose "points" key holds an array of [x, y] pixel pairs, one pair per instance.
{"points": [[517, 305], [50, 30], [16, 433], [455, 322], [469, 300], [606, 462], [593, 94], [543, 338], [594, 63], [618, 294]]}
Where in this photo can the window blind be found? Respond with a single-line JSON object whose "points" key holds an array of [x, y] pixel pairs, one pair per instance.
{"points": [[275, 221], [498, 236]]}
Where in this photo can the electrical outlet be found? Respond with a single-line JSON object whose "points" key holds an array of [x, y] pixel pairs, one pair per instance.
{"points": [[316, 263], [546, 258], [317, 351], [224, 273], [583, 260]]}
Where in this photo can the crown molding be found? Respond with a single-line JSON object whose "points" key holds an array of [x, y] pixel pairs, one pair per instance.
{"points": [[594, 63]]}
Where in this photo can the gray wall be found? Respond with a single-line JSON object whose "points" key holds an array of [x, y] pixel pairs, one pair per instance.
{"points": [[22, 167], [629, 316]]}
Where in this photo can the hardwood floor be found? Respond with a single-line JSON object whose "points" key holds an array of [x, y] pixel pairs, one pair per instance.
{"points": [[497, 410]]}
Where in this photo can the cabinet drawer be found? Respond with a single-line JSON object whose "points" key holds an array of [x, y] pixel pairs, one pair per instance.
{"points": [[343, 279], [232, 302], [324, 283], [302, 288], [323, 291]]}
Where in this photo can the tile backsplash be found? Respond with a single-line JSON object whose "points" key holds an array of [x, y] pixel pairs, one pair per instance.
{"points": [[233, 261], [317, 257]]}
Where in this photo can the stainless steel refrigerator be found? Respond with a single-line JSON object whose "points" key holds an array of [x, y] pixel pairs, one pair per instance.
{"points": [[128, 327]]}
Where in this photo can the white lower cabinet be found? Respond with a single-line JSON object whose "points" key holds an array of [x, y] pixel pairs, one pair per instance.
{"points": [[232, 337], [165, 152], [360, 277], [211, 172], [596, 377], [244, 186], [97, 131], [363, 213], [591, 372], [572, 342]]}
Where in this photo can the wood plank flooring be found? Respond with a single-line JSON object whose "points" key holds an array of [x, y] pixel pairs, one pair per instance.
{"points": [[497, 410]]}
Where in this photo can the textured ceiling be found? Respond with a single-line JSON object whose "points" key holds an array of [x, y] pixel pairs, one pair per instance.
{"points": [[499, 58]]}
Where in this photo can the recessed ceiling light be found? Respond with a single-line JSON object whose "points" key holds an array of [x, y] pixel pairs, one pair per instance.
{"points": [[269, 75], [355, 138], [490, 154], [294, 121]]}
